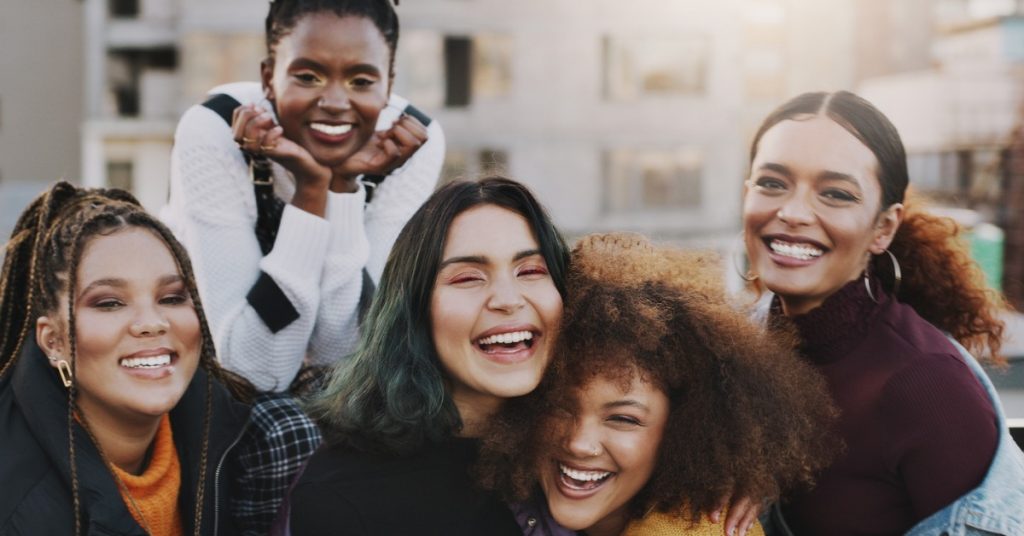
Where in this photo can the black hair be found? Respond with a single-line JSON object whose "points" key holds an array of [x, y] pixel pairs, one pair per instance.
{"points": [[285, 14], [391, 395]]}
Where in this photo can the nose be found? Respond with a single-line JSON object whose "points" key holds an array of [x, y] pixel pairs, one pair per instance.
{"points": [[584, 441], [796, 210], [506, 296], [334, 99], [149, 323]]}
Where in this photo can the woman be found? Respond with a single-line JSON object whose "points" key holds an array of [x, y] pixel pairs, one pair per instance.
{"points": [[271, 184], [871, 285], [116, 417], [660, 401], [465, 316]]}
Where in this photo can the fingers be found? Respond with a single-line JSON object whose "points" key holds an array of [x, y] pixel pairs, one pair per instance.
{"points": [[250, 126], [741, 516]]}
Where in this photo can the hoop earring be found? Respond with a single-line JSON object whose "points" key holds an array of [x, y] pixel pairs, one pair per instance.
{"points": [[64, 369], [897, 276], [747, 276]]}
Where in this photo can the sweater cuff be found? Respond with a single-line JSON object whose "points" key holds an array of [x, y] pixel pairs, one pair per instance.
{"points": [[345, 212], [300, 247]]}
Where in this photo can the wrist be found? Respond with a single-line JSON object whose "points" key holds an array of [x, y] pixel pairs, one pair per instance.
{"points": [[344, 183]]}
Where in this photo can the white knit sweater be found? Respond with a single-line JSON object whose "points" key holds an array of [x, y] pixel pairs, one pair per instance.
{"points": [[316, 262]]}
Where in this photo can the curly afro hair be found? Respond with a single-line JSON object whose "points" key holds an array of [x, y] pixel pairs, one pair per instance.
{"points": [[746, 415]]}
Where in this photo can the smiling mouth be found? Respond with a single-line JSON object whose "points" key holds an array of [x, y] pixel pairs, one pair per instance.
{"points": [[579, 480], [794, 250], [506, 342], [150, 362], [331, 130]]}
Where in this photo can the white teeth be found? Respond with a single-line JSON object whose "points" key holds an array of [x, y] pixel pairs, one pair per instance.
{"points": [[147, 362], [330, 130], [802, 252], [586, 476], [507, 338]]}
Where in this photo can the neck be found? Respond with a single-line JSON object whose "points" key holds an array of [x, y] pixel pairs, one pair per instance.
{"points": [[343, 183], [475, 410], [124, 442], [612, 524]]}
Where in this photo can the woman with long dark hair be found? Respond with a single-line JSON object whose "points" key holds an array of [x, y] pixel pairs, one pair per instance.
{"points": [[882, 296], [465, 316]]}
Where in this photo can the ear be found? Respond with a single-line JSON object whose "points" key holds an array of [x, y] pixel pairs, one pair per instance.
{"points": [[267, 77], [50, 338], [885, 228]]}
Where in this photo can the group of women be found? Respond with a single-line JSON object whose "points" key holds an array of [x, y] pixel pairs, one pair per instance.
{"points": [[483, 378]]}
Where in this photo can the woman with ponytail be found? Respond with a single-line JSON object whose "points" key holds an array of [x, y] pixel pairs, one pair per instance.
{"points": [[885, 300], [115, 417], [288, 193]]}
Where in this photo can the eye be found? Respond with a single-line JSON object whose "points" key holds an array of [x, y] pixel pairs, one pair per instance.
{"points": [[624, 421], [769, 185], [177, 298], [363, 82], [839, 196], [532, 271], [307, 78], [107, 304], [465, 278]]}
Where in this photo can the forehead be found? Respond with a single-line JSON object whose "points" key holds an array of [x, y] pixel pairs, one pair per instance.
{"points": [[604, 388], [132, 253], [815, 145], [488, 230], [326, 36]]}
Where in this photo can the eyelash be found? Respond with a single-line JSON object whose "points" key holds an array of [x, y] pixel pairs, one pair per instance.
{"points": [[625, 419]]}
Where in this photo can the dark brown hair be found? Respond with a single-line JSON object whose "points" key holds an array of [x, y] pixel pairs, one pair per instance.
{"points": [[41, 260], [746, 415], [940, 280]]}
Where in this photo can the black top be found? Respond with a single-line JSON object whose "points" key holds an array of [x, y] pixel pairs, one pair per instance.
{"points": [[430, 492]]}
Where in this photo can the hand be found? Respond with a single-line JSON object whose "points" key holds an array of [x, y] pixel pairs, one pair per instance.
{"points": [[256, 133], [742, 514], [386, 150]]}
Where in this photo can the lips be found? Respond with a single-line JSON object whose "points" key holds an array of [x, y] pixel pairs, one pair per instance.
{"points": [[331, 133], [149, 364], [580, 483], [508, 344], [794, 250]]}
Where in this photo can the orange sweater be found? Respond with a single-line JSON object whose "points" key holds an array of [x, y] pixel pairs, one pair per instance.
{"points": [[658, 524], [155, 491]]}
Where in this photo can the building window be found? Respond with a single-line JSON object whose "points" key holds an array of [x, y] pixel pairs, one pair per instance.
{"points": [[476, 67], [129, 70], [124, 9], [647, 66], [119, 174], [652, 179], [458, 52], [937, 172]]}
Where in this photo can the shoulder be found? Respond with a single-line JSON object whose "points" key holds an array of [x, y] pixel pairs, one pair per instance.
{"points": [[203, 125], [28, 477]]}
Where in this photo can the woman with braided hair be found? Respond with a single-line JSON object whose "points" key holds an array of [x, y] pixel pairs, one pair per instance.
{"points": [[659, 401], [115, 415], [289, 193]]}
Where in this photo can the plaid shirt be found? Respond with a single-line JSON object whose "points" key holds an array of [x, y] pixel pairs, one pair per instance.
{"points": [[277, 444]]}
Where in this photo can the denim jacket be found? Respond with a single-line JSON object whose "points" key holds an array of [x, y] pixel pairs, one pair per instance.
{"points": [[996, 506]]}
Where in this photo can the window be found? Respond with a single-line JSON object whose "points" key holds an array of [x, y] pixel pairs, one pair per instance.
{"points": [[476, 67], [652, 179], [127, 69], [119, 174], [646, 66], [463, 164], [124, 9]]}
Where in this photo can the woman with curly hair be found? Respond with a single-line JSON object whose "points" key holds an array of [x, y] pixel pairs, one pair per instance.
{"points": [[115, 415], [661, 399], [880, 293]]}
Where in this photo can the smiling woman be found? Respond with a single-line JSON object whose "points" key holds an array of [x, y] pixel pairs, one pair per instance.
{"points": [[660, 400], [468, 308], [109, 407]]}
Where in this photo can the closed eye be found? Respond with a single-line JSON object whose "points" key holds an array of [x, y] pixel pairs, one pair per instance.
{"points": [[835, 194]]}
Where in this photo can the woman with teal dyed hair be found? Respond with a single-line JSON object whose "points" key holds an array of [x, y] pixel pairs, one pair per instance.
{"points": [[466, 313]]}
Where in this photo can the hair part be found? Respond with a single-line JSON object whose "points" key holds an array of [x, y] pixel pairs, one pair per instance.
{"points": [[285, 14], [940, 279], [391, 395]]}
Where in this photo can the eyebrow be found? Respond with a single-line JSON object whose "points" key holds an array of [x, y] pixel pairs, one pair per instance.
{"points": [[824, 175], [309, 63], [121, 283], [626, 403], [480, 259]]}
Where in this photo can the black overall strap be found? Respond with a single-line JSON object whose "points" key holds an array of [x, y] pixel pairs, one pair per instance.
{"points": [[266, 297]]}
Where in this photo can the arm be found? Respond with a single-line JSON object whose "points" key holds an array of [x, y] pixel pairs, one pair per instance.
{"points": [[212, 208], [944, 431], [357, 242]]}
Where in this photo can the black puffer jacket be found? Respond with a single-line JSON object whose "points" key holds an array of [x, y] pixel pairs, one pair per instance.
{"points": [[35, 474]]}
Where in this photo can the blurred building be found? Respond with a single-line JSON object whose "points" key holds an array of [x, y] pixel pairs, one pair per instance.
{"points": [[40, 99]]}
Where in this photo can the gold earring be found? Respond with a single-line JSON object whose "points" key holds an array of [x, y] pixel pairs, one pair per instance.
{"points": [[64, 369]]}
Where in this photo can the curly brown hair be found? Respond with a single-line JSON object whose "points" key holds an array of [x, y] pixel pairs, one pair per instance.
{"points": [[746, 415]]}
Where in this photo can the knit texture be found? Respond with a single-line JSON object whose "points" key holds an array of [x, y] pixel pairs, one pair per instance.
{"points": [[918, 427], [316, 262], [660, 524], [155, 491]]}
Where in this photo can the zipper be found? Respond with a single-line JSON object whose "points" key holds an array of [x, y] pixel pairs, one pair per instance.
{"points": [[216, 474]]}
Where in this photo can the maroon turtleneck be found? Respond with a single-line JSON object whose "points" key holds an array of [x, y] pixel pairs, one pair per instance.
{"points": [[919, 428]]}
